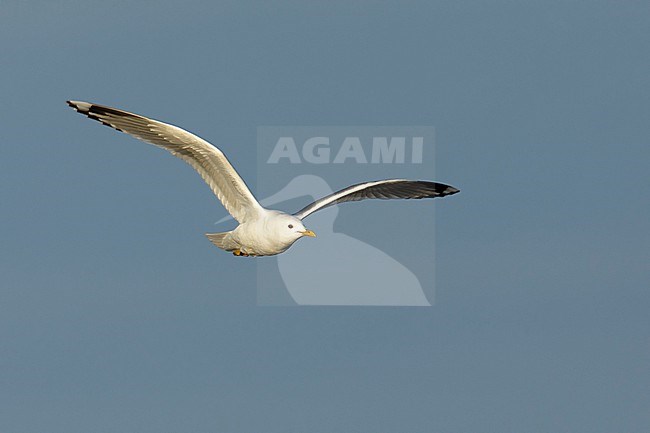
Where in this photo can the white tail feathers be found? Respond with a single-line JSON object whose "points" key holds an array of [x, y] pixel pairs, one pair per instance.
{"points": [[222, 240]]}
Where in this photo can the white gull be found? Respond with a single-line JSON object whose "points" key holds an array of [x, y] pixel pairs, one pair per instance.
{"points": [[261, 232]]}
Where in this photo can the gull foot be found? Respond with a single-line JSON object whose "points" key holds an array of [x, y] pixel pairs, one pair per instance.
{"points": [[239, 253]]}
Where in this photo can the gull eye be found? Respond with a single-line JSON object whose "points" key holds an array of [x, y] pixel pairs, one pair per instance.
{"points": [[290, 226]]}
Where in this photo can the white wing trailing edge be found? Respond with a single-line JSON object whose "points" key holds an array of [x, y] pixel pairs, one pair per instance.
{"points": [[206, 159], [380, 189]]}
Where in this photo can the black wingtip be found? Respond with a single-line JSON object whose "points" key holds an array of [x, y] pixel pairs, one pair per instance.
{"points": [[450, 190], [438, 189], [79, 106]]}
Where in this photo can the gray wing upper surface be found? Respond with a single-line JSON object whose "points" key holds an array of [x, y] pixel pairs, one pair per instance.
{"points": [[383, 190], [207, 160]]}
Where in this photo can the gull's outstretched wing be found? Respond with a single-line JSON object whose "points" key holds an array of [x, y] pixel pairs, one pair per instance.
{"points": [[209, 161], [381, 189]]}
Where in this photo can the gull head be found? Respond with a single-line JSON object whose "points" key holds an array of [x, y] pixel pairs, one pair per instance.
{"points": [[287, 228]]}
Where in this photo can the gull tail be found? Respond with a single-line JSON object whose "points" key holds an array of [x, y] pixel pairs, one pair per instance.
{"points": [[222, 240]]}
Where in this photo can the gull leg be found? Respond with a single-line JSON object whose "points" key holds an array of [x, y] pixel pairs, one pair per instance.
{"points": [[237, 252]]}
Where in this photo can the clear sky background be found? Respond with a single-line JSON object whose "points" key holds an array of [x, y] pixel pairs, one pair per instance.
{"points": [[116, 315]]}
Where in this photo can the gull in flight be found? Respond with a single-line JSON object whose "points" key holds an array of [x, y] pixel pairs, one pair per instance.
{"points": [[261, 232]]}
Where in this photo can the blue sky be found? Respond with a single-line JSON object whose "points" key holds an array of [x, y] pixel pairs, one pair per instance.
{"points": [[117, 315]]}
